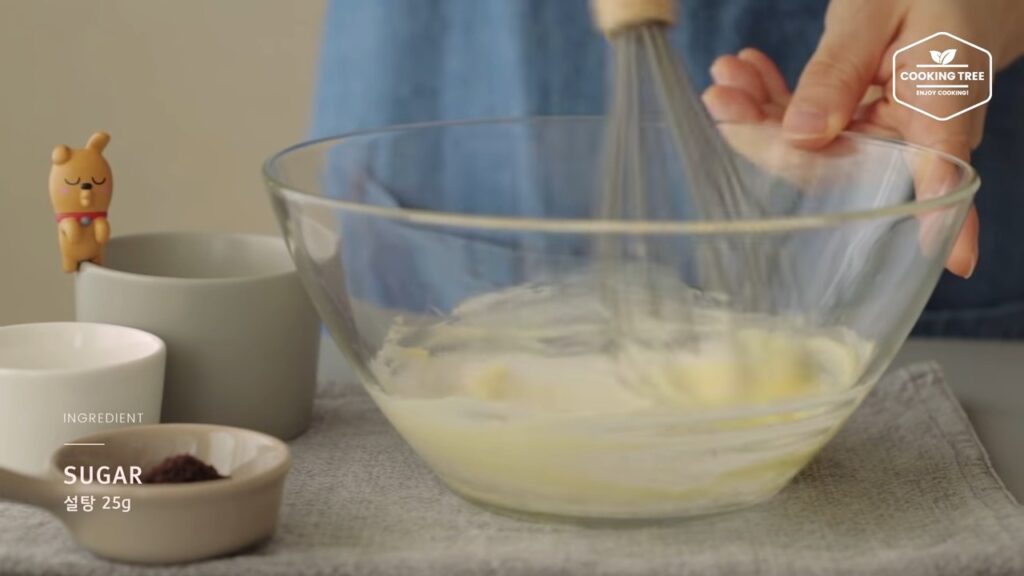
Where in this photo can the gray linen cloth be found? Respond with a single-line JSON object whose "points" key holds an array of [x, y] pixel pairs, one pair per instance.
{"points": [[904, 489]]}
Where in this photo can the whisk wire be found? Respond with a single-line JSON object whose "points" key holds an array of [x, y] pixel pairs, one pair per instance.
{"points": [[632, 268]]}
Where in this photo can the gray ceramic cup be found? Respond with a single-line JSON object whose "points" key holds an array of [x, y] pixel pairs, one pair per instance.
{"points": [[242, 336]]}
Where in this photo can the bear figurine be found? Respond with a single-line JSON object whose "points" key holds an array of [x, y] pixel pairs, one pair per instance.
{"points": [[81, 185]]}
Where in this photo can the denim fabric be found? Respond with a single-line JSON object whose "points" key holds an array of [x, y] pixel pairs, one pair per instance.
{"points": [[387, 62]]}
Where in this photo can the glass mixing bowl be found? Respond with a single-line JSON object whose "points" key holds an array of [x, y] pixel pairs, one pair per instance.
{"points": [[542, 360]]}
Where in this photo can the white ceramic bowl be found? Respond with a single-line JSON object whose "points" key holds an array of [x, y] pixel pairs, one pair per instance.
{"points": [[63, 380]]}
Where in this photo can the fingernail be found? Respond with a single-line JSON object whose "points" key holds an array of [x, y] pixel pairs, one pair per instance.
{"points": [[711, 103], [805, 122], [717, 75], [974, 264]]}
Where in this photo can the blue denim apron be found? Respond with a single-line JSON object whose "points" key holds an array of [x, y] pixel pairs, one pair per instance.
{"points": [[387, 62]]}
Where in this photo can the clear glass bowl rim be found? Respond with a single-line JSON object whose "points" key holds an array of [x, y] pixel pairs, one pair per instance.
{"points": [[963, 193]]}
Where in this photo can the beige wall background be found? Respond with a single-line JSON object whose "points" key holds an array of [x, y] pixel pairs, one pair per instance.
{"points": [[195, 94]]}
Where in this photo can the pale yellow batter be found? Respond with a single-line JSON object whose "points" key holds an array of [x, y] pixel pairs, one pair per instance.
{"points": [[522, 401]]}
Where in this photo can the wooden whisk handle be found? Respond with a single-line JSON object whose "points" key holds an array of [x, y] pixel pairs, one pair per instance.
{"points": [[611, 16]]}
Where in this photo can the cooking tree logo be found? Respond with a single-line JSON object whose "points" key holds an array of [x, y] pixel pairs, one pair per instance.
{"points": [[942, 76]]}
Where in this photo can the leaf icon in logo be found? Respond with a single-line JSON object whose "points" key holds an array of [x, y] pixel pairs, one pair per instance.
{"points": [[944, 57]]}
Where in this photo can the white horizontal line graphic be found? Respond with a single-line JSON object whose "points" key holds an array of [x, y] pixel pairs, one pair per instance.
{"points": [[84, 444], [942, 86], [942, 65]]}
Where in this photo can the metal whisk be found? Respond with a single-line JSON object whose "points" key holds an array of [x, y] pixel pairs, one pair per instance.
{"points": [[652, 92]]}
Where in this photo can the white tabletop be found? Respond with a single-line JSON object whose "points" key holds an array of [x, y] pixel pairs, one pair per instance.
{"points": [[987, 376]]}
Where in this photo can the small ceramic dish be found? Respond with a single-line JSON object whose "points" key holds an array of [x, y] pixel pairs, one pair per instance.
{"points": [[162, 523]]}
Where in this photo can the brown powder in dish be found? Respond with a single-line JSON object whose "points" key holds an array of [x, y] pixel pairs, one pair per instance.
{"points": [[180, 469]]}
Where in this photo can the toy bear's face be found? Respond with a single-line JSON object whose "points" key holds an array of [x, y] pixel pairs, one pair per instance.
{"points": [[80, 179]]}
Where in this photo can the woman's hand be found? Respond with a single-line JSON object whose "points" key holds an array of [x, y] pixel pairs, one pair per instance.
{"points": [[847, 83]]}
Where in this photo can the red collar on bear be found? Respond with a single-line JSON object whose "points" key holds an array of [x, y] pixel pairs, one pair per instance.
{"points": [[79, 215]]}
